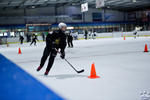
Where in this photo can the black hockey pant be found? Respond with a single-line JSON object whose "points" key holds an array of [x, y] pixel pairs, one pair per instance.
{"points": [[33, 41], [21, 41], [70, 43], [46, 53]]}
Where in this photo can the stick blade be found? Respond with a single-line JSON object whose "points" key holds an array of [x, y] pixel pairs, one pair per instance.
{"points": [[81, 71]]}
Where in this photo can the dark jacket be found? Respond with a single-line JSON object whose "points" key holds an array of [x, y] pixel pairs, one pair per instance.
{"points": [[21, 38], [34, 38], [70, 38], [56, 40]]}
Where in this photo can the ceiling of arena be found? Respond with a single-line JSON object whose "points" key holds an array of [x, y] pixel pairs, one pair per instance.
{"points": [[112, 4]]}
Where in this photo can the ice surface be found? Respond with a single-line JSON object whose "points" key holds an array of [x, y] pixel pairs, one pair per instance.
{"points": [[122, 65]]}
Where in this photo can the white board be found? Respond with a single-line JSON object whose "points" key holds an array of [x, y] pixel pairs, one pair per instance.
{"points": [[100, 3], [84, 7]]}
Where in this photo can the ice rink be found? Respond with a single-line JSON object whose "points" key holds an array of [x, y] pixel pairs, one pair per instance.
{"points": [[123, 67]]}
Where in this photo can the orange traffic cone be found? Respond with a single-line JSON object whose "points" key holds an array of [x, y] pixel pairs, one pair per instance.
{"points": [[19, 52], [93, 72], [124, 37], [146, 49]]}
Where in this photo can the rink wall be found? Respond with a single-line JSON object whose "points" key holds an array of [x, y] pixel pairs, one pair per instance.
{"points": [[16, 84], [16, 39], [81, 36], [119, 34]]}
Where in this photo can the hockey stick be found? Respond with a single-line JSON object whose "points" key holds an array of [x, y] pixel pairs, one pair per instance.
{"points": [[71, 64], [73, 67]]}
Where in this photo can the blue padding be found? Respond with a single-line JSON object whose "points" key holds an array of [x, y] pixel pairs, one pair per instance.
{"points": [[19, 26], [16, 84]]}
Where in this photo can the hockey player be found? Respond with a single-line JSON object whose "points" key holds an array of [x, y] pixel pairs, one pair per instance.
{"points": [[54, 42], [21, 38], [34, 38], [70, 40], [94, 35], [86, 34], [136, 31], [75, 35]]}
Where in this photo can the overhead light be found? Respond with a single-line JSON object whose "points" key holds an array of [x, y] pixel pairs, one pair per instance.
{"points": [[70, 28], [108, 6], [133, 0], [73, 4], [33, 6]]}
